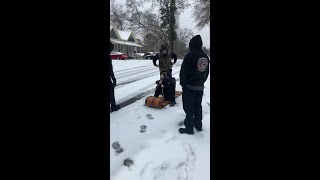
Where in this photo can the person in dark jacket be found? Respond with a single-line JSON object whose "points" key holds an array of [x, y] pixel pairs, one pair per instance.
{"points": [[166, 87], [165, 60], [194, 72], [113, 83]]}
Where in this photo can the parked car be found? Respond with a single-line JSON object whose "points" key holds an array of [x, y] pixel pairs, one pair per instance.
{"points": [[151, 55], [136, 56], [118, 55]]}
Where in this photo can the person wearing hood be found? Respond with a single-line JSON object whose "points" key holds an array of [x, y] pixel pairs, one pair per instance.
{"points": [[113, 83], [165, 61], [193, 73]]}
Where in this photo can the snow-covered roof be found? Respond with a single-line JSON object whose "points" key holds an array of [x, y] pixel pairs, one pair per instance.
{"points": [[124, 35], [125, 42]]}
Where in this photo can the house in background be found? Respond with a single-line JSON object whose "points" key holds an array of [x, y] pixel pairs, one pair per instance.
{"points": [[124, 41]]}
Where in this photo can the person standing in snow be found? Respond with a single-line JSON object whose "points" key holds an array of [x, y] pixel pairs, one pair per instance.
{"points": [[113, 83], [165, 61], [194, 72]]}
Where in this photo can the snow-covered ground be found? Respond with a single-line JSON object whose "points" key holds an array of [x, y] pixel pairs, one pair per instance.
{"points": [[160, 153]]}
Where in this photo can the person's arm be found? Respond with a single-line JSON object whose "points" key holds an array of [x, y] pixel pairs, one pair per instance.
{"points": [[155, 60], [174, 56], [184, 71]]}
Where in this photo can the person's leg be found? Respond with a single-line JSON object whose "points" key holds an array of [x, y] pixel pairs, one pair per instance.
{"points": [[174, 85], [163, 72], [188, 98], [170, 94], [169, 73], [158, 91], [198, 110], [112, 98], [114, 107]]}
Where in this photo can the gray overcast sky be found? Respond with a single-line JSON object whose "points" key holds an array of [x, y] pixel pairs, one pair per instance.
{"points": [[187, 21]]}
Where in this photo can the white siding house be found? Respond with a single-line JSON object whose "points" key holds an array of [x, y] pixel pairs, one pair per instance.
{"points": [[124, 41]]}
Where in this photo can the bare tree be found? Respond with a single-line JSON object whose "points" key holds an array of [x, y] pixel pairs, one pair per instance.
{"points": [[145, 20], [149, 22], [182, 42], [118, 16], [206, 50], [185, 35], [149, 44], [201, 13]]}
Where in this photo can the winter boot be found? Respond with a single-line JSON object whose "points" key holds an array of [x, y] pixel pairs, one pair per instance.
{"points": [[198, 128], [172, 103], [198, 124], [186, 131]]}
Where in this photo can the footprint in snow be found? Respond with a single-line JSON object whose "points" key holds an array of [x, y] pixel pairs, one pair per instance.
{"points": [[182, 171], [191, 157], [149, 116], [118, 149], [145, 169], [143, 128], [128, 162], [165, 167]]}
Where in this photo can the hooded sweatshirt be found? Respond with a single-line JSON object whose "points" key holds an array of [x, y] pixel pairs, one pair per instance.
{"points": [[195, 67], [165, 63]]}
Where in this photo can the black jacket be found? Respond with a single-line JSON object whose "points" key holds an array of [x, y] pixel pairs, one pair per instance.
{"points": [[167, 81], [195, 67]]}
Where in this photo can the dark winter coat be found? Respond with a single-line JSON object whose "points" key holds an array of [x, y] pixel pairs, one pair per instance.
{"points": [[165, 60], [195, 67], [167, 81], [168, 88]]}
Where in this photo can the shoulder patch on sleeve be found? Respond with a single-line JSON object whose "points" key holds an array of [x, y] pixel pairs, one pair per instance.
{"points": [[202, 64]]}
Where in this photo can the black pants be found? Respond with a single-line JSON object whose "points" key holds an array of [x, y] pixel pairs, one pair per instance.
{"points": [[112, 99], [169, 73], [192, 100], [168, 91]]}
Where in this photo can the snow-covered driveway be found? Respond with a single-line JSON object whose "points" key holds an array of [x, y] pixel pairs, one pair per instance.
{"points": [[160, 153], [135, 77]]}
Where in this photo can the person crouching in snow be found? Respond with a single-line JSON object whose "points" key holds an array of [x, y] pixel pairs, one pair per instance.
{"points": [[166, 87]]}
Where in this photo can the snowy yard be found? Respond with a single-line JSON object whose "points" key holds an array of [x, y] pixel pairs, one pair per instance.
{"points": [[160, 153]]}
